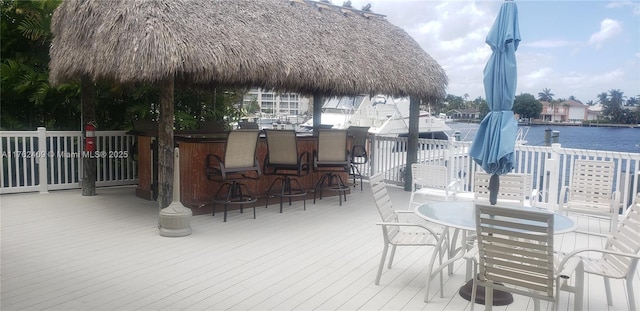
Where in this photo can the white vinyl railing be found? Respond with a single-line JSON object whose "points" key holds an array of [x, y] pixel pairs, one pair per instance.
{"points": [[548, 167], [50, 160], [29, 157]]}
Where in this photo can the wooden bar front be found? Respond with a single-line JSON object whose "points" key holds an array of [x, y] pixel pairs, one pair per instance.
{"points": [[196, 191], [145, 169]]}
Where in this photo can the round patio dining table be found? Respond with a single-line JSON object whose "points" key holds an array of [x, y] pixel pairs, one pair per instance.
{"points": [[461, 216]]}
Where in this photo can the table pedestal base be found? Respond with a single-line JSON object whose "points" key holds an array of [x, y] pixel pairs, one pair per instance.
{"points": [[500, 298]]}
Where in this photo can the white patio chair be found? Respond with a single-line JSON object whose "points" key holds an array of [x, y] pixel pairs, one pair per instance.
{"points": [[431, 181], [590, 191], [514, 189], [397, 233], [515, 251], [620, 256]]}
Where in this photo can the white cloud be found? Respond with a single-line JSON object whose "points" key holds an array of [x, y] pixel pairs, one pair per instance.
{"points": [[635, 6], [614, 75], [431, 27], [551, 43], [608, 29], [582, 83], [453, 33], [538, 75]]}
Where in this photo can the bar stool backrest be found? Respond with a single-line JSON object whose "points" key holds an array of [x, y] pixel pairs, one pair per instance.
{"points": [[359, 140], [282, 147], [332, 147], [240, 150]]}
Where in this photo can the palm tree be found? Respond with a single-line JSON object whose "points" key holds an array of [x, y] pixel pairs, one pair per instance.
{"points": [[603, 98], [566, 107], [28, 99], [545, 95], [617, 97], [613, 108]]}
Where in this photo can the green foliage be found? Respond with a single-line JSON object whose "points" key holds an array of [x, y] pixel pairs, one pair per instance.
{"points": [[253, 107], [435, 105], [612, 106], [482, 107], [527, 106], [634, 117], [28, 100], [454, 103]]}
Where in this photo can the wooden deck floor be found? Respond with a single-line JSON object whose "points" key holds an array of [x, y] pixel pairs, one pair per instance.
{"points": [[63, 251]]}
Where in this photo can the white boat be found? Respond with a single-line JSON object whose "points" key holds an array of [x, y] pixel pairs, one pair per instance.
{"points": [[383, 115], [521, 136], [272, 121]]}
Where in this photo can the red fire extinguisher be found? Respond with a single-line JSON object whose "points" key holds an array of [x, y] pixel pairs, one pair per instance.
{"points": [[90, 137]]}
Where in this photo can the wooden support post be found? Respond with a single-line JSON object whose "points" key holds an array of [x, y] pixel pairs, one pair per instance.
{"points": [[165, 143], [89, 163]]}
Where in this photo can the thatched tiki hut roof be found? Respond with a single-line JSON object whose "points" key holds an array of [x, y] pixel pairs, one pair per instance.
{"points": [[296, 46]]}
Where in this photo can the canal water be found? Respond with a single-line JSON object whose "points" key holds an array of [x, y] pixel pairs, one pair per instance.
{"points": [[623, 139]]}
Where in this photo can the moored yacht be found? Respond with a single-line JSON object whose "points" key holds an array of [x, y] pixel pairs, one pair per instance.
{"points": [[384, 115]]}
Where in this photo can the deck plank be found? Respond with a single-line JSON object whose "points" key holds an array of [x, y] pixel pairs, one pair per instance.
{"points": [[63, 251]]}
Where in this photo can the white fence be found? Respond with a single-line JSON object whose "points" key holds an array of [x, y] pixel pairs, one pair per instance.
{"points": [[49, 160], [548, 167], [29, 157]]}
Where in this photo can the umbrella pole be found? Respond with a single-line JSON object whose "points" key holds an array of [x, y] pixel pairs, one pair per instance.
{"points": [[494, 186], [500, 298]]}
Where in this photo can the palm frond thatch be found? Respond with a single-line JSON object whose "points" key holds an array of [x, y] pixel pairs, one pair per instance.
{"points": [[285, 45]]}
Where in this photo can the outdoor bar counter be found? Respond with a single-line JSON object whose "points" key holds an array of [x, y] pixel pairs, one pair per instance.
{"points": [[196, 191]]}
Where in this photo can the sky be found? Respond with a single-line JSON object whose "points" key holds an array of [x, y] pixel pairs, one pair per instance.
{"points": [[579, 48]]}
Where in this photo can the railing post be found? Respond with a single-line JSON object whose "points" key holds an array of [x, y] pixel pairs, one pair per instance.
{"points": [[42, 161], [553, 171], [372, 155], [451, 158]]}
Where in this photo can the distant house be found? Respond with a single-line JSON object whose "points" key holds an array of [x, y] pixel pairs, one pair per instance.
{"points": [[568, 111], [465, 114], [594, 112]]}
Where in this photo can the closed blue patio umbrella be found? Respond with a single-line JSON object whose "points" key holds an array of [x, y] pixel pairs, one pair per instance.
{"points": [[493, 146], [494, 143]]}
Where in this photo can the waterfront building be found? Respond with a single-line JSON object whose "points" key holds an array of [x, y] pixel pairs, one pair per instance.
{"points": [[465, 114], [594, 112], [277, 104], [568, 111]]}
